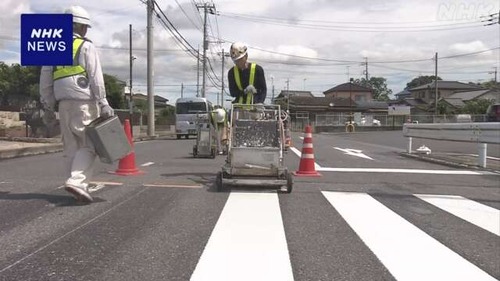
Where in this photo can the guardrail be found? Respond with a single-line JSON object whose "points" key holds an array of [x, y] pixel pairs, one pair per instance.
{"points": [[480, 133]]}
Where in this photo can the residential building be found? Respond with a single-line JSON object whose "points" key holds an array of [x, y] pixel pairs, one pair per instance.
{"points": [[427, 92], [351, 91]]}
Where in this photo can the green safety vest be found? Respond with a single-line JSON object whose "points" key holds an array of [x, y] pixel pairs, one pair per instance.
{"points": [[249, 97], [75, 69]]}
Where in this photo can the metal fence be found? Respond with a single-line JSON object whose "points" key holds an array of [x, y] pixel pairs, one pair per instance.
{"points": [[339, 119]]}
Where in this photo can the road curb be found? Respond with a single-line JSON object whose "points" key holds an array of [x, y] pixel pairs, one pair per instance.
{"points": [[430, 159], [31, 150]]}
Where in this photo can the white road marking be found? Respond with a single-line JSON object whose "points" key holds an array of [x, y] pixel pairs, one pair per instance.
{"points": [[405, 171], [354, 152], [171, 185], [388, 170], [147, 164], [248, 242], [97, 185], [405, 250], [476, 213]]}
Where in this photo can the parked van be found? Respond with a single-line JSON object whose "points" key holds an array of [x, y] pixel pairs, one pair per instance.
{"points": [[493, 113]]}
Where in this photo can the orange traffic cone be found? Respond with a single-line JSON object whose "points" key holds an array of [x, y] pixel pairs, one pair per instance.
{"points": [[126, 166], [307, 166]]}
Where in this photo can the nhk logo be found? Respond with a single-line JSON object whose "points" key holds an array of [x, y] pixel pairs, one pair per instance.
{"points": [[46, 39]]}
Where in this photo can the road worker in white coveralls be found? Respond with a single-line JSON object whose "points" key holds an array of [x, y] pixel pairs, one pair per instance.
{"points": [[219, 118], [79, 90]]}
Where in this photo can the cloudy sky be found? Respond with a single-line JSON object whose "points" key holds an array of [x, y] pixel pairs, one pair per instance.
{"points": [[310, 45]]}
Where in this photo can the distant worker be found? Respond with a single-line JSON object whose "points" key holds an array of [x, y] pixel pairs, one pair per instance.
{"points": [[219, 119], [79, 90], [247, 83]]}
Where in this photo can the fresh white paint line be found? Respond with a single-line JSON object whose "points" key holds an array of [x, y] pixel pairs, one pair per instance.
{"points": [[298, 153], [98, 185], [405, 250], [387, 170], [476, 213], [248, 241], [147, 164], [404, 171], [171, 185], [107, 183]]}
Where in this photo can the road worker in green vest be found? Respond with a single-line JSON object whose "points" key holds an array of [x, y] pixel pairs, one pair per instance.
{"points": [[79, 90], [247, 83]]}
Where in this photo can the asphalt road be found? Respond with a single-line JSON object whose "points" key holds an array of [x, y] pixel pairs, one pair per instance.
{"points": [[372, 215]]}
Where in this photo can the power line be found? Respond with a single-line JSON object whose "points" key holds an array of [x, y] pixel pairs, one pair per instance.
{"points": [[367, 28]]}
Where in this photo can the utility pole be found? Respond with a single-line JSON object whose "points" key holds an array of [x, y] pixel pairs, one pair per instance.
{"points": [[198, 73], [131, 95], [272, 82], [223, 55], [151, 98], [182, 90], [436, 85], [366, 69], [206, 7], [495, 73], [288, 95]]}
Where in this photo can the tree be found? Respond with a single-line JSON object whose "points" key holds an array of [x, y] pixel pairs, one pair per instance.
{"points": [[378, 85], [114, 91], [490, 85], [421, 80], [18, 84], [476, 107]]}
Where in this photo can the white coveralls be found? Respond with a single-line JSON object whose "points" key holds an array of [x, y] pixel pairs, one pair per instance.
{"points": [[80, 98]]}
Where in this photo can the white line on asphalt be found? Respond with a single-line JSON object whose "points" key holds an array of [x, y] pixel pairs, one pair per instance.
{"points": [[248, 241], [171, 185], [405, 250], [476, 213], [147, 164], [387, 170], [406, 171]]}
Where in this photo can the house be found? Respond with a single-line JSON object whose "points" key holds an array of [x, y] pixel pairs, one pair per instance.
{"points": [[352, 91], [404, 94], [160, 102], [287, 93], [445, 89], [486, 94]]}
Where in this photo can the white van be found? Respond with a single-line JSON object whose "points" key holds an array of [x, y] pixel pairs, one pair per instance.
{"points": [[186, 112]]}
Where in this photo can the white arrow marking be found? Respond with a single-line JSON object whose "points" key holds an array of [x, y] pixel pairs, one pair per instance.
{"points": [[354, 152]]}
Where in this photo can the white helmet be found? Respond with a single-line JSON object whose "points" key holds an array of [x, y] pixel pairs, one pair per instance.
{"points": [[238, 50], [80, 15], [220, 115]]}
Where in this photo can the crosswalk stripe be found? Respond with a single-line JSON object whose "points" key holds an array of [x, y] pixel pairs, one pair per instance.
{"points": [[476, 213], [248, 241], [405, 250]]}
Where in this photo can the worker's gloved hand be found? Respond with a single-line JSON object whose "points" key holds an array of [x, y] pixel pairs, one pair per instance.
{"points": [[105, 109], [250, 90]]}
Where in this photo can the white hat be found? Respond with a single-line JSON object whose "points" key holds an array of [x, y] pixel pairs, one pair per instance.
{"points": [[238, 50], [80, 15]]}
